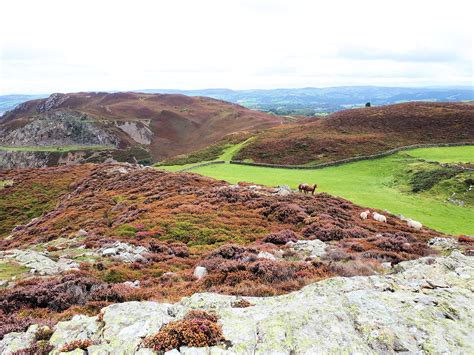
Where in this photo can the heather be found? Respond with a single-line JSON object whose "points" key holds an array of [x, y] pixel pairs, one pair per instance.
{"points": [[169, 224]]}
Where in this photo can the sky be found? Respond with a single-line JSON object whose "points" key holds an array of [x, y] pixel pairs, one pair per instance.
{"points": [[66, 46]]}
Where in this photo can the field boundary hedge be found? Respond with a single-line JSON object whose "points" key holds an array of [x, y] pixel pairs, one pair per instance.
{"points": [[349, 160]]}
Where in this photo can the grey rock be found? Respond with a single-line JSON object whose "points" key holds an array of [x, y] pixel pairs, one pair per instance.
{"points": [[38, 262], [200, 272], [81, 233], [79, 327], [74, 352], [266, 255], [422, 306], [126, 324], [312, 248], [16, 341], [124, 252], [283, 190], [443, 243]]}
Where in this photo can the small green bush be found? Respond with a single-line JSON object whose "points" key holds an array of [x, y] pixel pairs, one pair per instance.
{"points": [[426, 179]]}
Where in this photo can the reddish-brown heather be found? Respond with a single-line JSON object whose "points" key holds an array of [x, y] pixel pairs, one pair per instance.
{"points": [[184, 220]]}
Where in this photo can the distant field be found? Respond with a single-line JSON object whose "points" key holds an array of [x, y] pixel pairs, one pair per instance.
{"points": [[67, 148], [462, 154], [371, 183], [227, 155]]}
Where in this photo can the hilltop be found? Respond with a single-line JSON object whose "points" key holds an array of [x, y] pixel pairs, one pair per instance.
{"points": [[128, 126], [363, 131], [118, 223]]}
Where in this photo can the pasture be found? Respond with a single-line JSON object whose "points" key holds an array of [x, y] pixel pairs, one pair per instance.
{"points": [[461, 154], [371, 183]]}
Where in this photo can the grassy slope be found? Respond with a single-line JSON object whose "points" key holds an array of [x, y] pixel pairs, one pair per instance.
{"points": [[368, 183], [226, 155], [445, 154]]}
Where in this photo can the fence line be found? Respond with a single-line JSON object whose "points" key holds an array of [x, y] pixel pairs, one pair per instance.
{"points": [[350, 160]]}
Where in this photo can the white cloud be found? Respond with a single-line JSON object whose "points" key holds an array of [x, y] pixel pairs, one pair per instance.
{"points": [[49, 46]]}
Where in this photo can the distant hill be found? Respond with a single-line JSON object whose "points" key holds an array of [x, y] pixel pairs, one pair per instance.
{"points": [[362, 131], [310, 101], [304, 101], [156, 125], [9, 102]]}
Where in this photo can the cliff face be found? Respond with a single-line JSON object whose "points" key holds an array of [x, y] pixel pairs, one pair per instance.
{"points": [[424, 306], [41, 159], [57, 128]]}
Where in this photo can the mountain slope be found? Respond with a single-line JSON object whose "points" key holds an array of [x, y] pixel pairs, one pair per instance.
{"points": [[163, 125], [112, 223], [363, 131]]}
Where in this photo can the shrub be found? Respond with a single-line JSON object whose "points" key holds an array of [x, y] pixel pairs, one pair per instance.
{"points": [[192, 332], [11, 323], [281, 237], [286, 213], [242, 303], [426, 179], [76, 344], [44, 333], [233, 252], [467, 240], [41, 347], [199, 314], [325, 234], [351, 268], [56, 294]]}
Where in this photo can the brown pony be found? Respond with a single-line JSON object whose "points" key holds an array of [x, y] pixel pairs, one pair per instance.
{"points": [[307, 188]]}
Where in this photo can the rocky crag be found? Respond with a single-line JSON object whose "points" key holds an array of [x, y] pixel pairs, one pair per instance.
{"points": [[423, 306]]}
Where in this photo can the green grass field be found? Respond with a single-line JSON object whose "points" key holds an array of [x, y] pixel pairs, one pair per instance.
{"points": [[370, 183], [226, 155], [66, 148], [462, 154]]}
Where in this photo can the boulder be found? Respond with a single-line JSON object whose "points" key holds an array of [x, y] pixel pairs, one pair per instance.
{"points": [[200, 272], [79, 327], [283, 190], [124, 252], [39, 263], [266, 255], [81, 233], [126, 324], [15, 341], [312, 248], [443, 243]]}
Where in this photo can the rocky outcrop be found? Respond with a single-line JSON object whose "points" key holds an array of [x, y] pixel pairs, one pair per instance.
{"points": [[38, 262], [124, 252], [57, 128], [53, 101], [312, 248], [139, 131], [16, 341], [424, 306]]}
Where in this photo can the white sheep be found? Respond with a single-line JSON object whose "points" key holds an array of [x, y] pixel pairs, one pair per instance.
{"points": [[379, 217], [414, 224], [364, 215]]}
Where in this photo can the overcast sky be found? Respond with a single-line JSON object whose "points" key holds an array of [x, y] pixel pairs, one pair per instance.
{"points": [[65, 46]]}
